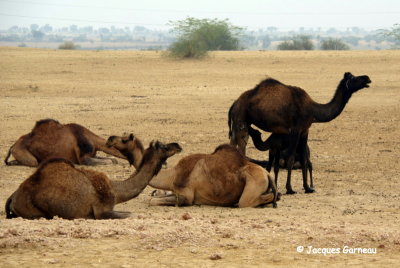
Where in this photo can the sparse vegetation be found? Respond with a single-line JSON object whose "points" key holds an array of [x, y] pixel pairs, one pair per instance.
{"points": [[393, 34], [298, 42], [334, 44], [195, 37], [68, 45]]}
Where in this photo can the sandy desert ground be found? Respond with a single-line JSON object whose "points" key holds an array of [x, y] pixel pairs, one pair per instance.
{"points": [[355, 158]]}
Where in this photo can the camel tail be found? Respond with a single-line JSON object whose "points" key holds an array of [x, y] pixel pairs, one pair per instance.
{"points": [[230, 122], [262, 163], [8, 156], [9, 213]]}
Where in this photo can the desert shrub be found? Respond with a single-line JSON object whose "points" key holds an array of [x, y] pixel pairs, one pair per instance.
{"points": [[195, 37], [184, 48], [298, 42], [334, 44], [68, 45]]}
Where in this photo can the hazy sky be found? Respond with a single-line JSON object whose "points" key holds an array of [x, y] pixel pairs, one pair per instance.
{"points": [[253, 14]]}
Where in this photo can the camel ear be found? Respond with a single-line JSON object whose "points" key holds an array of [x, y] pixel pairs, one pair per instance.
{"points": [[347, 75], [131, 137], [154, 144]]}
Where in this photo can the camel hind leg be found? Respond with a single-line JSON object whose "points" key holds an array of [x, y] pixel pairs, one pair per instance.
{"points": [[21, 155], [256, 185]]}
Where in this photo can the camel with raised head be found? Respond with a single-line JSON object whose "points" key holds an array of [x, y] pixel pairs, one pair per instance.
{"points": [[58, 188], [278, 108], [223, 178], [73, 142]]}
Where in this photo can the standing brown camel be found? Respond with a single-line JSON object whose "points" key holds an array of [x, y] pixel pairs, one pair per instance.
{"points": [[278, 108], [57, 188], [73, 142], [223, 178]]}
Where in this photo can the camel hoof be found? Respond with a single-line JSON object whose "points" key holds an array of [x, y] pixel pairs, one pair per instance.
{"points": [[309, 191], [291, 192]]}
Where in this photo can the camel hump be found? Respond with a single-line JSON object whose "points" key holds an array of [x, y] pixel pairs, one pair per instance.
{"points": [[45, 125], [226, 147], [230, 155], [36, 176], [46, 121]]}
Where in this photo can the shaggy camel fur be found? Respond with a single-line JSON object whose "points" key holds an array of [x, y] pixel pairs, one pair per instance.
{"points": [[57, 188], [282, 109], [223, 178], [50, 139], [277, 144]]}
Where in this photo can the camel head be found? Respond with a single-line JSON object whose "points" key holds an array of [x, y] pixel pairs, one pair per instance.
{"points": [[158, 153], [130, 146], [355, 83]]}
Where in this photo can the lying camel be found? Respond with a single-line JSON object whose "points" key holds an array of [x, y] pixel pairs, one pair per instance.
{"points": [[223, 178], [73, 142], [57, 188]]}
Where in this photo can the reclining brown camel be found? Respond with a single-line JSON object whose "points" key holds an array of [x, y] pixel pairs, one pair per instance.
{"points": [[57, 188], [278, 108], [223, 178], [73, 142]]}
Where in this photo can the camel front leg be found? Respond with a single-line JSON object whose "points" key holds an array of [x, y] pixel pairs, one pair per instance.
{"points": [[304, 158], [94, 161], [168, 200], [291, 152]]}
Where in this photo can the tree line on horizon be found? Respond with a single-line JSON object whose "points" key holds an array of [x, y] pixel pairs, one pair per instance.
{"points": [[193, 38]]}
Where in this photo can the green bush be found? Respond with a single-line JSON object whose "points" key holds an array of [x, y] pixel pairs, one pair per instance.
{"points": [[334, 44], [68, 45], [187, 49], [298, 42], [195, 37]]}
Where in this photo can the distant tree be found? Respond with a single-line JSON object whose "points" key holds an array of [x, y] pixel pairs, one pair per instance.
{"points": [[140, 29], [104, 31], [393, 34], [14, 29], [198, 36], [46, 29], [334, 44], [266, 41], [298, 42], [73, 28], [34, 27], [37, 35]]}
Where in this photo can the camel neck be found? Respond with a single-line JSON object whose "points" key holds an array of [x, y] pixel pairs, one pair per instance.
{"points": [[331, 110], [135, 184]]}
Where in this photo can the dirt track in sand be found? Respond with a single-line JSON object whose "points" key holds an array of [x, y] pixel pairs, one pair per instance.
{"points": [[355, 158]]}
